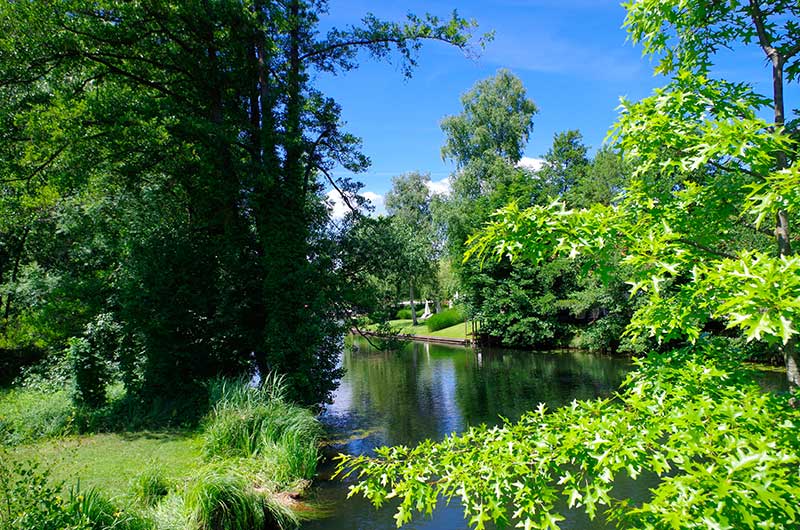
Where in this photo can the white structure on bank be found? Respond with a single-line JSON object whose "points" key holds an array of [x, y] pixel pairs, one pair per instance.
{"points": [[427, 312]]}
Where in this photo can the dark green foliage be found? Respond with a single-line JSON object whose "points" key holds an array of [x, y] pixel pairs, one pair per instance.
{"points": [[445, 319], [566, 164], [14, 360], [89, 369], [161, 163]]}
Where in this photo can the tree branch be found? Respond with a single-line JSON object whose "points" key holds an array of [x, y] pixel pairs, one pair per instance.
{"points": [[339, 190], [763, 39], [708, 250]]}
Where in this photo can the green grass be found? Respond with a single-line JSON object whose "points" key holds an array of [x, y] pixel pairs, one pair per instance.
{"points": [[112, 462], [27, 415], [233, 472], [459, 331]]}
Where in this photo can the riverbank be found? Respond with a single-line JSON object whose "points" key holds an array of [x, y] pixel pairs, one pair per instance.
{"points": [[246, 465], [421, 338], [457, 335]]}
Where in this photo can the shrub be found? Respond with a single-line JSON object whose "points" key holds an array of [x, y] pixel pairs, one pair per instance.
{"points": [[27, 415], [403, 314], [89, 359], [445, 319]]}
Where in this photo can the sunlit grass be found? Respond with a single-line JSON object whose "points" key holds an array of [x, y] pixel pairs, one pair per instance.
{"points": [[112, 462], [236, 471], [458, 331]]}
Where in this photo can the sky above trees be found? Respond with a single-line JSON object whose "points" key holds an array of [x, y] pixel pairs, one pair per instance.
{"points": [[572, 56]]}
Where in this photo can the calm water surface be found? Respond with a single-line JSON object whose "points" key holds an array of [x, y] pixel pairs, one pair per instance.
{"points": [[430, 391]]}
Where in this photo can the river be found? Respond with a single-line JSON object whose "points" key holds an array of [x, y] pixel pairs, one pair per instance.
{"points": [[431, 390]]}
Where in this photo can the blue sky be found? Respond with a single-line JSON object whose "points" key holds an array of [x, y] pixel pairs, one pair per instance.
{"points": [[572, 56]]}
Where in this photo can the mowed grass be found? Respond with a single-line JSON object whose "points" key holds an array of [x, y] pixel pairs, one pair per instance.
{"points": [[459, 331], [111, 462]]}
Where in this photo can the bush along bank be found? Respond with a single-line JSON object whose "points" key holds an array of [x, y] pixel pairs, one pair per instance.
{"points": [[259, 456]]}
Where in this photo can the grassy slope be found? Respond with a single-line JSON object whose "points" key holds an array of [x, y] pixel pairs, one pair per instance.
{"points": [[111, 461]]}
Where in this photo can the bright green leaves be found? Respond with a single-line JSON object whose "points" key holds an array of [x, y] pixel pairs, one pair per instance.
{"points": [[685, 282], [719, 451], [780, 190], [758, 293], [685, 34], [695, 121], [688, 226]]}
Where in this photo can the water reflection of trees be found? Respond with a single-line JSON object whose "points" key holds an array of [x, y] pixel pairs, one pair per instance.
{"points": [[429, 390], [399, 391], [503, 383]]}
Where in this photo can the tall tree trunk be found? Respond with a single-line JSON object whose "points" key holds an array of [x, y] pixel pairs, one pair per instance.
{"points": [[791, 356], [411, 300], [291, 340], [782, 229]]}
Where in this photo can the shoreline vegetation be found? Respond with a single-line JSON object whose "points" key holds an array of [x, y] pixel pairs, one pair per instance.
{"points": [[246, 464]]}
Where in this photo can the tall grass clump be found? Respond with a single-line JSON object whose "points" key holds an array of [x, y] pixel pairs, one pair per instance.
{"points": [[150, 486], [223, 500], [444, 319], [256, 421]]}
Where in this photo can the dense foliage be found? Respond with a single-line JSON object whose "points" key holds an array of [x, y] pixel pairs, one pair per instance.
{"points": [[516, 304], [161, 169]]}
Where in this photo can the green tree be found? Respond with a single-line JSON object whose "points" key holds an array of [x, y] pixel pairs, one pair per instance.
{"points": [[408, 204], [198, 126], [603, 180], [725, 453], [485, 141], [565, 164]]}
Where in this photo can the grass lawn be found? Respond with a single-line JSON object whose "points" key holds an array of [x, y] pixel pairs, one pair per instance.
{"points": [[111, 461], [459, 331]]}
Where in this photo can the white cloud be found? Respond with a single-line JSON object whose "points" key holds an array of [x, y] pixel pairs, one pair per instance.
{"points": [[533, 164], [339, 209], [552, 54], [439, 187], [376, 201]]}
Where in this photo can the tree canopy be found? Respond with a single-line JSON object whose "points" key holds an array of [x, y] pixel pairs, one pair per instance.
{"points": [[162, 164]]}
